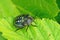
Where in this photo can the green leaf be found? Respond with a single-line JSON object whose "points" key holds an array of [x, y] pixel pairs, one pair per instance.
{"points": [[58, 3], [45, 29], [40, 8], [7, 9], [58, 18], [1, 37]]}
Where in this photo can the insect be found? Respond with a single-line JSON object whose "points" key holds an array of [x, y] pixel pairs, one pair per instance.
{"points": [[23, 20]]}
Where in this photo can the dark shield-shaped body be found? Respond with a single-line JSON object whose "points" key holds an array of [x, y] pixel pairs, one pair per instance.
{"points": [[23, 20]]}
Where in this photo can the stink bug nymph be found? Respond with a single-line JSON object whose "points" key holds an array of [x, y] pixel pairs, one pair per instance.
{"points": [[22, 21]]}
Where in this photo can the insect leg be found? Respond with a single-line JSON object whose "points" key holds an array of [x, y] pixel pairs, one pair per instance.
{"points": [[16, 29], [27, 27]]}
